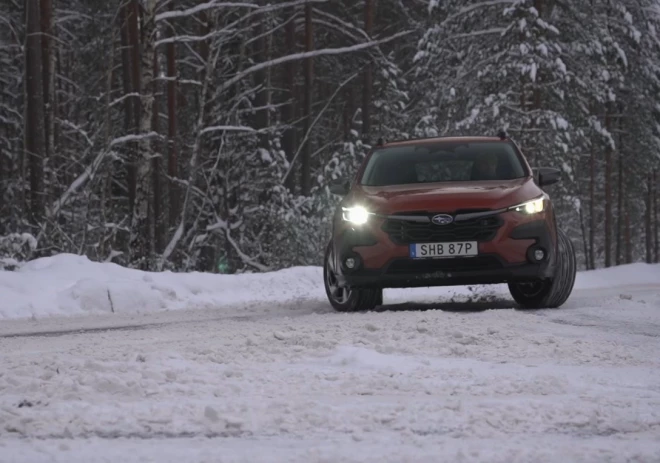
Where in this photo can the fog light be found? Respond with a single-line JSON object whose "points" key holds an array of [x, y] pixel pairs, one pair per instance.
{"points": [[539, 254], [350, 263]]}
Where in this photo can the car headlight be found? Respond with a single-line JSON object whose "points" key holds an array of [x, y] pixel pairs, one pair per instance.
{"points": [[530, 207], [357, 215]]}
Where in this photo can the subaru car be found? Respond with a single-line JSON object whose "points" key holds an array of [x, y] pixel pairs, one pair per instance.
{"points": [[443, 212]]}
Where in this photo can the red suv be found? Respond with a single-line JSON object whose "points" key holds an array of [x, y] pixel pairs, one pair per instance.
{"points": [[445, 212]]}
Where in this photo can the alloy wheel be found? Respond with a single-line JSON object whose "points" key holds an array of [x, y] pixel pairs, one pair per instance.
{"points": [[339, 294]]}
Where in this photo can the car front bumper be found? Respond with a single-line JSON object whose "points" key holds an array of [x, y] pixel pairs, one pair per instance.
{"points": [[386, 278], [505, 258]]}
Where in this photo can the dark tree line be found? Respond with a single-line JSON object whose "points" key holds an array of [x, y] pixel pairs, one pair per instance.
{"points": [[202, 135]]}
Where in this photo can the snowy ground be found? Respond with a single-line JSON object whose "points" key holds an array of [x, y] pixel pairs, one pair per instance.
{"points": [[99, 363]]}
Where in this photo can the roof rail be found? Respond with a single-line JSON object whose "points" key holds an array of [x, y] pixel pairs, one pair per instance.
{"points": [[418, 138], [501, 134]]}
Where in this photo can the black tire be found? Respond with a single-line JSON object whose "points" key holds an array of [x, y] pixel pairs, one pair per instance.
{"points": [[550, 293], [379, 297], [347, 299]]}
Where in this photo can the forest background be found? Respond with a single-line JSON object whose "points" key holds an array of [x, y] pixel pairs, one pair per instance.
{"points": [[189, 135]]}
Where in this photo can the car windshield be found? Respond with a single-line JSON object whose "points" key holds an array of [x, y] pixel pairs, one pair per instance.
{"points": [[442, 162]]}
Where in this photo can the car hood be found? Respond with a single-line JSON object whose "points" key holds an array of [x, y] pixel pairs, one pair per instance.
{"points": [[445, 197]]}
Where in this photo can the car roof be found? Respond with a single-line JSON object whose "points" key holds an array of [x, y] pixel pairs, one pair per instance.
{"points": [[435, 140]]}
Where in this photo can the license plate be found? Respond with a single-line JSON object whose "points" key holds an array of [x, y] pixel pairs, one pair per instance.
{"points": [[455, 249]]}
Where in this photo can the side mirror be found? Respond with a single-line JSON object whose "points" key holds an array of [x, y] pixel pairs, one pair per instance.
{"points": [[340, 187], [548, 175]]}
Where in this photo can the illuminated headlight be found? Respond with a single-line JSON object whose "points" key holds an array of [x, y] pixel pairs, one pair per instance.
{"points": [[357, 215], [530, 207]]}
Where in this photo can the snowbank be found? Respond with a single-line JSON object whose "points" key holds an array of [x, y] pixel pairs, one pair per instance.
{"points": [[67, 284], [624, 275]]}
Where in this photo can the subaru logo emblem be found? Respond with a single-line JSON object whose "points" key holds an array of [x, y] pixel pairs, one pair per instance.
{"points": [[442, 219]]}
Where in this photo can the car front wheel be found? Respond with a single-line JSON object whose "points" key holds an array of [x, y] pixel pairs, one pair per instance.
{"points": [[345, 299], [552, 292]]}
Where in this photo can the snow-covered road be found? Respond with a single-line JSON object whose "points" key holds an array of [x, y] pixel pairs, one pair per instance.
{"points": [[296, 382]]}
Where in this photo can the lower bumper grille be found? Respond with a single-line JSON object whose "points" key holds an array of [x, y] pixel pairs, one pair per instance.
{"points": [[403, 266]]}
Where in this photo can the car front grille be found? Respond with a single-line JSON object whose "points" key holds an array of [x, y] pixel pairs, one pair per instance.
{"points": [[458, 264], [408, 232]]}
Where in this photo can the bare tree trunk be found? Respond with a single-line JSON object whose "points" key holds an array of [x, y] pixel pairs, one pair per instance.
{"points": [[656, 226], [205, 28], [368, 77], [58, 89], [289, 110], [608, 191], [107, 176], [4, 130], [535, 104], [142, 228], [64, 71], [134, 53], [48, 68], [655, 212], [268, 55], [592, 208], [308, 65], [158, 220], [172, 145], [648, 218], [206, 259], [210, 65], [35, 141], [127, 86], [260, 82], [204, 50], [629, 257], [347, 115], [620, 215]]}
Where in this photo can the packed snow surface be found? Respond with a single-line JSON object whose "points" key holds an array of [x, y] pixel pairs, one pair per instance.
{"points": [[102, 363]]}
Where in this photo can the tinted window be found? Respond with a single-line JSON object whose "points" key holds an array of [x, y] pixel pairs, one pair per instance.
{"points": [[442, 162]]}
